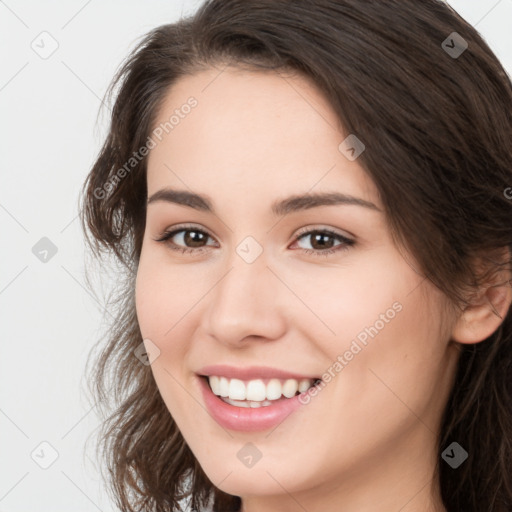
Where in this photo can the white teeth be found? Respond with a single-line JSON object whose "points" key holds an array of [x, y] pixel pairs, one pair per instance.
{"points": [[274, 389], [290, 388], [304, 385], [255, 393], [214, 384], [223, 387], [256, 390], [237, 390]]}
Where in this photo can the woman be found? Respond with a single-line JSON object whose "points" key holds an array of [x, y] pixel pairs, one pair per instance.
{"points": [[310, 202]]}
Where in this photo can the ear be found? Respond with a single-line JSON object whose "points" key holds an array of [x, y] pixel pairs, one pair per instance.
{"points": [[487, 309]]}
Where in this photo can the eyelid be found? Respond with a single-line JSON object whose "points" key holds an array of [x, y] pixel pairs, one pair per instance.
{"points": [[185, 227], [327, 229]]}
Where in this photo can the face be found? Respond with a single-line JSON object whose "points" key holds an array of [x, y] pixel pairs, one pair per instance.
{"points": [[266, 292]]}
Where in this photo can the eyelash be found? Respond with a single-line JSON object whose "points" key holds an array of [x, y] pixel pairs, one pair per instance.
{"points": [[344, 245]]}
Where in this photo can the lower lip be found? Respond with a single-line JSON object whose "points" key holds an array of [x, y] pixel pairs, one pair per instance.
{"points": [[247, 419]]}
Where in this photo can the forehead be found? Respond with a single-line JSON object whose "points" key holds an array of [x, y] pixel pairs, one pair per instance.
{"points": [[263, 132]]}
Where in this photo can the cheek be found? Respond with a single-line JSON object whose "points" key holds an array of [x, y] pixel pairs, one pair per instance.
{"points": [[159, 307], [372, 320], [163, 294], [162, 303], [346, 299], [395, 367], [148, 300]]}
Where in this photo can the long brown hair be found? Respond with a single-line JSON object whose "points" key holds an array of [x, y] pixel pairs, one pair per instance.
{"points": [[437, 127]]}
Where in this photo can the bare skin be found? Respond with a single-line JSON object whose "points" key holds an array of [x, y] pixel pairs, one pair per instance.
{"points": [[367, 441]]}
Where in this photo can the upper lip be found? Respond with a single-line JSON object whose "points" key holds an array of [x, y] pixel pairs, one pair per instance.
{"points": [[250, 372]]}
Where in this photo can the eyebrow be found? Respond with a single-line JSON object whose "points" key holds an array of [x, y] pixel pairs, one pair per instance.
{"points": [[291, 204]]}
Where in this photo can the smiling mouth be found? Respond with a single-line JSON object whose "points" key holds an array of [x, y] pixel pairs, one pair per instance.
{"points": [[257, 392]]}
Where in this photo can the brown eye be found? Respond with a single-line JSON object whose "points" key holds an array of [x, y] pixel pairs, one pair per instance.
{"points": [[319, 240], [323, 242], [194, 238], [186, 239]]}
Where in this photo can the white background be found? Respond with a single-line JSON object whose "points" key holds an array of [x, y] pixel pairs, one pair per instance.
{"points": [[50, 136]]}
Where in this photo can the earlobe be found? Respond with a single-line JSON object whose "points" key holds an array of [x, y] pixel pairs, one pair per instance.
{"points": [[481, 318]]}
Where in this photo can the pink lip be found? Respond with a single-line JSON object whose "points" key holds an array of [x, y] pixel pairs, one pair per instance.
{"points": [[250, 372], [247, 419]]}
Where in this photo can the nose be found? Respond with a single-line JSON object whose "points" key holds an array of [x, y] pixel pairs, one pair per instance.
{"points": [[245, 304]]}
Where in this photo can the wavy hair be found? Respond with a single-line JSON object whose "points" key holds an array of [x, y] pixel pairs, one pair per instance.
{"points": [[438, 134]]}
